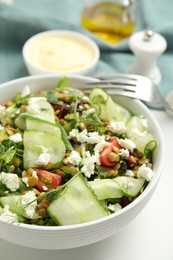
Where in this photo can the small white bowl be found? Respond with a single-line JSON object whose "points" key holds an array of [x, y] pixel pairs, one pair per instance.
{"points": [[62, 52], [64, 237]]}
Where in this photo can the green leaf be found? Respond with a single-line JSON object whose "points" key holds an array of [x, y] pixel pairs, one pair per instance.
{"points": [[63, 83], [52, 97], [7, 152]]}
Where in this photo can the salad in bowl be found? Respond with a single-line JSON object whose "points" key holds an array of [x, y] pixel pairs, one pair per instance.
{"points": [[67, 157], [72, 162]]}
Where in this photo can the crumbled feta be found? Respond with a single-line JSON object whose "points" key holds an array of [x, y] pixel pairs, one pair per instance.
{"points": [[73, 133], [1, 127], [117, 127], [25, 180], [16, 138], [29, 201], [88, 112], [85, 98], [81, 107], [129, 173], [85, 137], [88, 164], [33, 108], [8, 215], [74, 158], [43, 159], [124, 153], [88, 161], [25, 92], [127, 143], [145, 172], [94, 137], [11, 180], [114, 207], [34, 174], [2, 109]]}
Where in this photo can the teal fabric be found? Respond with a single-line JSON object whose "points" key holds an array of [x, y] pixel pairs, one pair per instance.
{"points": [[22, 19]]}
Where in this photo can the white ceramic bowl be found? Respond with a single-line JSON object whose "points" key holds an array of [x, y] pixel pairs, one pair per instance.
{"points": [[63, 237], [62, 52]]}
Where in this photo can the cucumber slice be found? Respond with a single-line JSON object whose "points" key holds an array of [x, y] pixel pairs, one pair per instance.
{"points": [[44, 112], [41, 125], [130, 186], [20, 121], [25, 121], [106, 189], [138, 133], [35, 141], [134, 122], [76, 204], [146, 143], [15, 205], [98, 95], [117, 187], [106, 107]]}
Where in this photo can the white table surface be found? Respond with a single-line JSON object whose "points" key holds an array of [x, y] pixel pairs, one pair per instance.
{"points": [[149, 236]]}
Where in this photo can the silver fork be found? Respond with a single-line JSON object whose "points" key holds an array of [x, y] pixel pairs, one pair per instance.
{"points": [[130, 85]]}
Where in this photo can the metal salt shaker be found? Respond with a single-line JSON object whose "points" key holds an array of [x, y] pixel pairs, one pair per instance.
{"points": [[147, 47]]}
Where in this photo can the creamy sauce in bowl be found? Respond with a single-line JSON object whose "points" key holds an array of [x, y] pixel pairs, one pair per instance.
{"points": [[60, 52]]}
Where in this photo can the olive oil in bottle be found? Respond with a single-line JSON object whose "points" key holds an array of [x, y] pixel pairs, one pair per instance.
{"points": [[110, 21]]}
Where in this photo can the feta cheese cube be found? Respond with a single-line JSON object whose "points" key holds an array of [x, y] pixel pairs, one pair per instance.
{"points": [[11, 180], [145, 172], [16, 138]]}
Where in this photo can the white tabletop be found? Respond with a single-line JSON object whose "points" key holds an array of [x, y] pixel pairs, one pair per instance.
{"points": [[149, 236]]}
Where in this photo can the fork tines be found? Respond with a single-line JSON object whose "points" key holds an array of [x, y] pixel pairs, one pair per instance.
{"points": [[129, 85]]}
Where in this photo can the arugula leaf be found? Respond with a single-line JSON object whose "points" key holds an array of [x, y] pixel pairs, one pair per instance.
{"points": [[52, 97], [63, 83], [7, 152], [93, 123]]}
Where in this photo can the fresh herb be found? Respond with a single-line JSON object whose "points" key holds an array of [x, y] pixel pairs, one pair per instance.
{"points": [[7, 152], [10, 111], [63, 83], [93, 123], [54, 194], [19, 100], [52, 97]]}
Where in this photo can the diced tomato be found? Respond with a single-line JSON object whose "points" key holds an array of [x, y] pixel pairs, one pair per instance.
{"points": [[106, 151], [114, 142], [47, 180]]}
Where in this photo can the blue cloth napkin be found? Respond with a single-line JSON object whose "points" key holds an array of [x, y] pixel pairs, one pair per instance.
{"points": [[22, 19]]}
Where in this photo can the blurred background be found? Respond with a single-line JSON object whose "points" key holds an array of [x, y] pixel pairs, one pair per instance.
{"points": [[20, 19]]}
